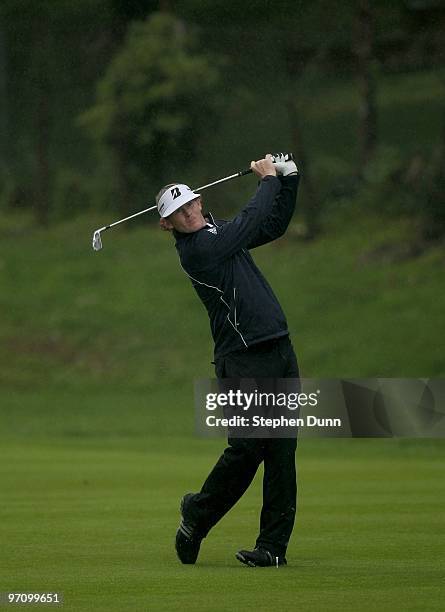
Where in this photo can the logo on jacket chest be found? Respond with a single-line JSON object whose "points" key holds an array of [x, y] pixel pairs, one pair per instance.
{"points": [[212, 230]]}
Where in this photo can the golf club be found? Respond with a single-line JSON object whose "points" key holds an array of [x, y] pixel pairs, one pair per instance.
{"points": [[97, 239]]}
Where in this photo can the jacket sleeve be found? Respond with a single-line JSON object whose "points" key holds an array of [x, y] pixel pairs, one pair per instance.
{"points": [[240, 231], [278, 219]]}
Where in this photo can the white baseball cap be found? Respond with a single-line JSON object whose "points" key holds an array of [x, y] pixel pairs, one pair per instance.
{"points": [[175, 197]]}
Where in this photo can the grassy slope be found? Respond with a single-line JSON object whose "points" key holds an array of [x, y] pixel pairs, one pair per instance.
{"points": [[126, 320], [84, 333]]}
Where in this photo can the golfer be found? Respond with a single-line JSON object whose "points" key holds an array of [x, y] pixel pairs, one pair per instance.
{"points": [[251, 339]]}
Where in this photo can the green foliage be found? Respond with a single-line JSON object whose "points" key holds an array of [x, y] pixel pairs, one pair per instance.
{"points": [[13, 192], [7, 190], [398, 184], [71, 194], [156, 98], [428, 192], [383, 178]]}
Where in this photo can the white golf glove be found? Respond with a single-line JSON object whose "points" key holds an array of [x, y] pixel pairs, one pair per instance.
{"points": [[284, 163]]}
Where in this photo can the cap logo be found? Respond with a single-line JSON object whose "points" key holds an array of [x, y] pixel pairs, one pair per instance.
{"points": [[174, 197]]}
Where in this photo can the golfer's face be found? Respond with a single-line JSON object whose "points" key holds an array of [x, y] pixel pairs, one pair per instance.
{"points": [[188, 218]]}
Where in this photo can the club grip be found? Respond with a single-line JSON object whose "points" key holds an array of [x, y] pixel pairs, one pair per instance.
{"points": [[244, 172]]}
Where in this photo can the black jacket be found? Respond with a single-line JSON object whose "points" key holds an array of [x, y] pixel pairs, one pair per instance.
{"points": [[242, 307]]}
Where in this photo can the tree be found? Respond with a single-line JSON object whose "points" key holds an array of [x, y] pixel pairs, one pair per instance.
{"points": [[155, 99], [43, 46]]}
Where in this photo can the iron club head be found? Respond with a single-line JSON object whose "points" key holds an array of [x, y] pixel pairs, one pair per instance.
{"points": [[97, 240]]}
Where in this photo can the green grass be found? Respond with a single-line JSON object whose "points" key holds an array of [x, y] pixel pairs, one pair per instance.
{"points": [[96, 521]]}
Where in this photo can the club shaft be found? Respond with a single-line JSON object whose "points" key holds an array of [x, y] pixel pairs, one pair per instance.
{"points": [[223, 180], [141, 212]]}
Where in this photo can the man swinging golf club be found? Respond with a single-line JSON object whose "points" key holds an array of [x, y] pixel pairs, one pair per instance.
{"points": [[251, 339]]}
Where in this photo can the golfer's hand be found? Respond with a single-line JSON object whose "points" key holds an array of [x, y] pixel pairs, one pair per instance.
{"points": [[264, 167], [284, 163]]}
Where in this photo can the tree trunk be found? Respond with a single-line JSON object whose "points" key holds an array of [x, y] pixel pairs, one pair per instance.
{"points": [[311, 207], [4, 110], [42, 88], [434, 192], [364, 51], [42, 202]]}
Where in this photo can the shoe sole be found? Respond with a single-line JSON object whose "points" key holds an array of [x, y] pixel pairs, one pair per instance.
{"points": [[243, 559], [249, 563]]}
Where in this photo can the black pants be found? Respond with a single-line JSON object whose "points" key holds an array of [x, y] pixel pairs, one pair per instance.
{"points": [[238, 464]]}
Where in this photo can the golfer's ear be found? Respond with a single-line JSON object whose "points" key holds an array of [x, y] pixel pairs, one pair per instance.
{"points": [[165, 224]]}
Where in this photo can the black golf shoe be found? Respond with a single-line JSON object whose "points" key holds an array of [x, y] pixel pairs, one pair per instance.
{"points": [[188, 538], [259, 557]]}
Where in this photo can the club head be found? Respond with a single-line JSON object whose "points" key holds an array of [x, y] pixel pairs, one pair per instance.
{"points": [[97, 241]]}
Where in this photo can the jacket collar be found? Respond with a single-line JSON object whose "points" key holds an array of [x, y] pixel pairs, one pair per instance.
{"points": [[181, 235]]}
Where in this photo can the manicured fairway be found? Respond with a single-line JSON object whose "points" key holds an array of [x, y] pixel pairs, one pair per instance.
{"points": [[95, 520]]}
